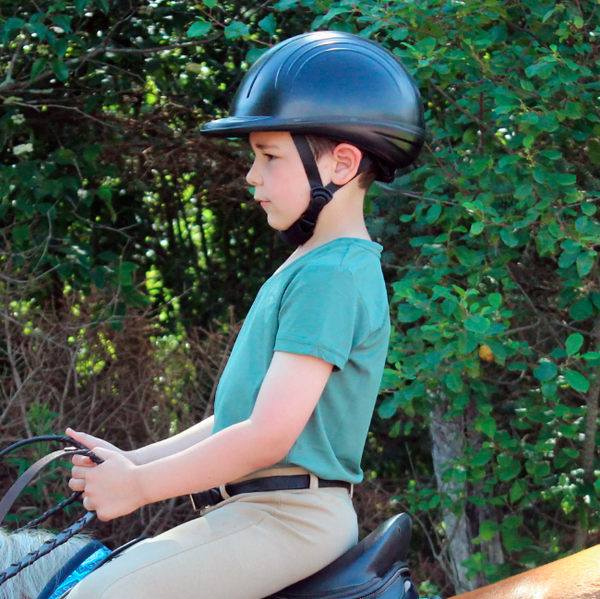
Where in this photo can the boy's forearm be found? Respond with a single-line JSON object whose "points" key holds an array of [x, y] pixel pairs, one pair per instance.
{"points": [[287, 398], [240, 449], [180, 442]]}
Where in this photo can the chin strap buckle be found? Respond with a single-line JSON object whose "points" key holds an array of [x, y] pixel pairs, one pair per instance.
{"points": [[321, 194]]}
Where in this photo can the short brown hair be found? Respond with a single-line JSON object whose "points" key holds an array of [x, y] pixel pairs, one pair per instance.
{"points": [[321, 146]]}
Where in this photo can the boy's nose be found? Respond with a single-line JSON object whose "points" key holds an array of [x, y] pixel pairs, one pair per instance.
{"points": [[253, 178]]}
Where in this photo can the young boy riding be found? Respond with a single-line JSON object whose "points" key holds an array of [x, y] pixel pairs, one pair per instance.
{"points": [[326, 114]]}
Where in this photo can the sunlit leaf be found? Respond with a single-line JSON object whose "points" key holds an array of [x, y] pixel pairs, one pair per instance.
{"points": [[199, 28], [574, 343], [236, 29], [576, 380]]}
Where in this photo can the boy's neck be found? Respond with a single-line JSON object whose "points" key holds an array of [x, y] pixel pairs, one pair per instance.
{"points": [[342, 217], [327, 236]]}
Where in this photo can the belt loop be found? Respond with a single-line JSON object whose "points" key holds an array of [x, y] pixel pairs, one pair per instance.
{"points": [[224, 492], [314, 481], [351, 490]]}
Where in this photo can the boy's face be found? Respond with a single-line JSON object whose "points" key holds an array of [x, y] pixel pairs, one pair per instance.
{"points": [[279, 178]]}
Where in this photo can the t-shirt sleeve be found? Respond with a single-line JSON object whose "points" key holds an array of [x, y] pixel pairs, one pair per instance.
{"points": [[318, 314]]}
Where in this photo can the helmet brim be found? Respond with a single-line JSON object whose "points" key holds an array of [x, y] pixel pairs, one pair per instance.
{"points": [[239, 126], [404, 142]]}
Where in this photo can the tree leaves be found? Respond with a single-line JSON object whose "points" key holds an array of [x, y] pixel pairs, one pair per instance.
{"points": [[60, 68], [585, 262], [508, 467], [63, 21], [454, 383], [433, 213], [80, 5], [582, 309], [546, 370], [476, 228], [486, 425], [509, 238], [236, 29], [576, 380], [38, 66], [20, 234], [408, 313], [573, 343], [477, 324], [268, 24], [199, 28], [593, 151]]}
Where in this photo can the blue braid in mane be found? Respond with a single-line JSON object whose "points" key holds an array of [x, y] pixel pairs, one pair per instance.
{"points": [[76, 569]]}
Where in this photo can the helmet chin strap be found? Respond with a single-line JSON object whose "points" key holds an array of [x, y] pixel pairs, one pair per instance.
{"points": [[302, 230]]}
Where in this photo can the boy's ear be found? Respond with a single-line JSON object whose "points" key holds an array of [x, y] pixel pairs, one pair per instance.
{"points": [[347, 160]]}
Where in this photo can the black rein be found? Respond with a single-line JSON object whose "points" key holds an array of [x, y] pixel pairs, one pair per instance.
{"points": [[15, 490]]}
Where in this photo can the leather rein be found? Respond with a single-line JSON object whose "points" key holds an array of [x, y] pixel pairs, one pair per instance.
{"points": [[75, 448]]}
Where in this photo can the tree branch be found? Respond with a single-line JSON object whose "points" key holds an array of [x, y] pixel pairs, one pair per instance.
{"points": [[163, 48]]}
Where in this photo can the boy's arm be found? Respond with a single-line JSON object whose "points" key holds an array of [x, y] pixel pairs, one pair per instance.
{"points": [[191, 436], [187, 438], [287, 398]]}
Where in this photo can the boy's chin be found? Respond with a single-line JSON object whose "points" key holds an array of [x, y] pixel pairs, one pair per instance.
{"points": [[278, 224]]}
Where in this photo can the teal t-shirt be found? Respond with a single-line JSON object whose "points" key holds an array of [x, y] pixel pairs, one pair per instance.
{"points": [[330, 303]]}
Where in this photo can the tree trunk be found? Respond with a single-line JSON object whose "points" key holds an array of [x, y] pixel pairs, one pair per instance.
{"points": [[589, 447], [449, 441]]}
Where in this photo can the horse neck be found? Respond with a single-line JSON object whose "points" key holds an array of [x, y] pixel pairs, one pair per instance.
{"points": [[29, 583], [573, 577]]}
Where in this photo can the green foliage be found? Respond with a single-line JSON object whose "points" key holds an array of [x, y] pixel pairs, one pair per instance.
{"points": [[492, 240], [120, 193]]}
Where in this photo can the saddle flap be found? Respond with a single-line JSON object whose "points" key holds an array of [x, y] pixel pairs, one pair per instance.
{"points": [[362, 567]]}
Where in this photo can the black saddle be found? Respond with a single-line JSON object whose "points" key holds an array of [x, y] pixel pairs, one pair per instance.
{"points": [[375, 568]]}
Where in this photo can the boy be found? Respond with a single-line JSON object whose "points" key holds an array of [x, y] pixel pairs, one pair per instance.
{"points": [[295, 400]]}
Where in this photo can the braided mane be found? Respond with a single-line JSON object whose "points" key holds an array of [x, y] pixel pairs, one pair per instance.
{"points": [[30, 583]]}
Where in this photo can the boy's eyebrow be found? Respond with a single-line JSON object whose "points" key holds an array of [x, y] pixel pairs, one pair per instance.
{"points": [[266, 146]]}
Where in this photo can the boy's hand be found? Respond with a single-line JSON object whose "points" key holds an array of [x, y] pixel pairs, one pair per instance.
{"points": [[112, 488], [94, 443]]}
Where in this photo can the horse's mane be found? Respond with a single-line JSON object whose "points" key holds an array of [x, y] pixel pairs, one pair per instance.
{"points": [[29, 583]]}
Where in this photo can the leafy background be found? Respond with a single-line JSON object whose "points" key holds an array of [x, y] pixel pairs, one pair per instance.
{"points": [[131, 250]]}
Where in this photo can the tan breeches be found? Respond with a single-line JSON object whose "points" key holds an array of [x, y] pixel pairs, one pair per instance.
{"points": [[247, 547]]}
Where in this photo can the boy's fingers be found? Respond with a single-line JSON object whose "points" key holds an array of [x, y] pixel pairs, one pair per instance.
{"points": [[77, 484], [79, 472], [80, 460]]}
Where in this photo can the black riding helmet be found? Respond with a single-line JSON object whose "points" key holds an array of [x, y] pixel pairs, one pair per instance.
{"points": [[335, 85]]}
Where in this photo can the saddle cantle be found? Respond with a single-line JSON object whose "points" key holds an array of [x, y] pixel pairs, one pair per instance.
{"points": [[376, 568]]}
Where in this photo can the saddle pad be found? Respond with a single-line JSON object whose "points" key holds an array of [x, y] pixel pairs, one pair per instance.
{"points": [[77, 568]]}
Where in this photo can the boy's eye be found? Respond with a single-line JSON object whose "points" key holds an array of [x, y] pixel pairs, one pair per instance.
{"points": [[270, 157]]}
